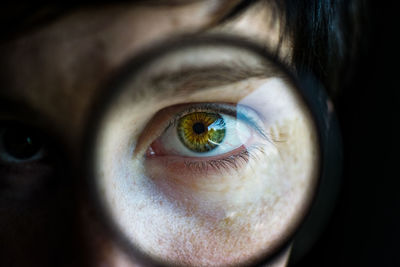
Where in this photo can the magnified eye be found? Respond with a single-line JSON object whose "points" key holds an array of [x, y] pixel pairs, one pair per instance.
{"points": [[223, 179], [204, 133]]}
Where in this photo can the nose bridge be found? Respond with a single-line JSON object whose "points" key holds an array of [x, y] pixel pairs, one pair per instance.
{"points": [[91, 243], [66, 224]]}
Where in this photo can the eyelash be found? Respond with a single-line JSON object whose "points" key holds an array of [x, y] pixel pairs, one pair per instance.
{"points": [[232, 162]]}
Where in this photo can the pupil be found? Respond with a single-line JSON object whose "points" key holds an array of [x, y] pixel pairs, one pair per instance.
{"points": [[199, 128], [21, 144]]}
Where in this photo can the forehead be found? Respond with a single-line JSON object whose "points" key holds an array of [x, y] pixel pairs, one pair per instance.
{"points": [[58, 69]]}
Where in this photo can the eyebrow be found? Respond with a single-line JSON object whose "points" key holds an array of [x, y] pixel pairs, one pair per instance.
{"points": [[197, 78]]}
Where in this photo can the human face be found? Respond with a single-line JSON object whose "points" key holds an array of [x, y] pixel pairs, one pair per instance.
{"points": [[56, 73]]}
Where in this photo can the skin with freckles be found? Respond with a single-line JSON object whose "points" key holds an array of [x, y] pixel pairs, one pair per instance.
{"points": [[212, 218]]}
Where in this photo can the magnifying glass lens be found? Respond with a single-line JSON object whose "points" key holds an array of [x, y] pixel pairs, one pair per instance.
{"points": [[206, 154]]}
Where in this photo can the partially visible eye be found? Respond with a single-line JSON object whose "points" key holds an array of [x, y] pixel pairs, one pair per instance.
{"points": [[20, 144], [205, 130], [26, 161]]}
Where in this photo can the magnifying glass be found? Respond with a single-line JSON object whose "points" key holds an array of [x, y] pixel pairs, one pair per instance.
{"points": [[207, 151]]}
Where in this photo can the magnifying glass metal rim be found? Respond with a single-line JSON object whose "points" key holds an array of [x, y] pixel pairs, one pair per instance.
{"points": [[310, 90]]}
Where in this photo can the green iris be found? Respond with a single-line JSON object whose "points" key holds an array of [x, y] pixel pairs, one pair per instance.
{"points": [[201, 131]]}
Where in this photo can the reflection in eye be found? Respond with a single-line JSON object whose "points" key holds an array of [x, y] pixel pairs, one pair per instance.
{"points": [[202, 132]]}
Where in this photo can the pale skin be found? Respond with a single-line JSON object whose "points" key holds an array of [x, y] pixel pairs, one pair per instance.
{"points": [[77, 54]]}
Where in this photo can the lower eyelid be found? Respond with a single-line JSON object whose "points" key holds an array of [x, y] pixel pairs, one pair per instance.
{"points": [[211, 167], [232, 162], [17, 162]]}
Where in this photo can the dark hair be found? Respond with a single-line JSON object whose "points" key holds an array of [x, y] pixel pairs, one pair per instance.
{"points": [[326, 35]]}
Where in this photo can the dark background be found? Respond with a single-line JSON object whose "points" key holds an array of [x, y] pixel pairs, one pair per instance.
{"points": [[364, 229]]}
